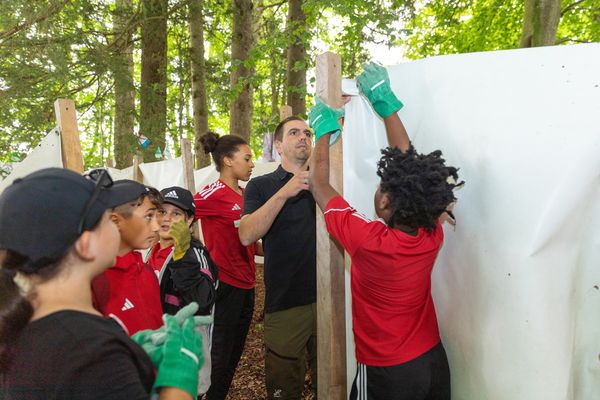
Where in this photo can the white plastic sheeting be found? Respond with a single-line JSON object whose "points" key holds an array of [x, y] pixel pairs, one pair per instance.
{"points": [[46, 154], [516, 284]]}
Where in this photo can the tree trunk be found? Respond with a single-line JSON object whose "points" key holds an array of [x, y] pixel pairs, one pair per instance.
{"points": [[124, 139], [153, 96], [241, 43], [198, 80], [296, 57], [540, 23]]}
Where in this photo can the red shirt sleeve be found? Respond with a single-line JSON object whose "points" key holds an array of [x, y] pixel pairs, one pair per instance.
{"points": [[349, 227]]}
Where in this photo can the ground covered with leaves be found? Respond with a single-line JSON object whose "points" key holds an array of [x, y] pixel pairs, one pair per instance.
{"points": [[249, 380]]}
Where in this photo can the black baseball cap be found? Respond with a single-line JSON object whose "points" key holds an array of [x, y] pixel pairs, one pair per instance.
{"points": [[43, 214], [179, 197]]}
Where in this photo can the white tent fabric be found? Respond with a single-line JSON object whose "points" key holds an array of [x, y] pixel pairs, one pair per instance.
{"points": [[516, 284], [46, 154]]}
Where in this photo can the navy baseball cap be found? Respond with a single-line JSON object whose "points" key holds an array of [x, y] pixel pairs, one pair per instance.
{"points": [[179, 197], [43, 214]]}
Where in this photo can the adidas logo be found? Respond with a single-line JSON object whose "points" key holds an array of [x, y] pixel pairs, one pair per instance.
{"points": [[236, 207], [128, 305], [172, 194]]}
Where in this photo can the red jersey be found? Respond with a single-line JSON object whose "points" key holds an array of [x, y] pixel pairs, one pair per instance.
{"points": [[220, 208], [128, 292], [158, 257], [393, 315]]}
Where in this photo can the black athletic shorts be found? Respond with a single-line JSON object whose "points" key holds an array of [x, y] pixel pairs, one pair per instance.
{"points": [[427, 377]]}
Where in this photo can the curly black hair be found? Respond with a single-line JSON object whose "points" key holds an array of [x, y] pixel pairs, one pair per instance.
{"points": [[417, 185]]}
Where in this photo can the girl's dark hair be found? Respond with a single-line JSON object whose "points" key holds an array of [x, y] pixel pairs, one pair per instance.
{"points": [[15, 309], [417, 185], [220, 146]]}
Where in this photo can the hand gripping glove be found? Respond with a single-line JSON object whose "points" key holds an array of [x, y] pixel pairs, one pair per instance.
{"points": [[182, 357], [374, 84], [324, 119], [180, 232]]}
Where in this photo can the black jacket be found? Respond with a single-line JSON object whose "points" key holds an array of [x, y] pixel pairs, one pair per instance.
{"points": [[192, 278]]}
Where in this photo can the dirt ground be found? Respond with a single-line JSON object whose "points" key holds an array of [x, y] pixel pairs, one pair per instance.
{"points": [[249, 380]]}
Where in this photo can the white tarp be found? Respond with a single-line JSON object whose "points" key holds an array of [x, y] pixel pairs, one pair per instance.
{"points": [[516, 284], [46, 154]]}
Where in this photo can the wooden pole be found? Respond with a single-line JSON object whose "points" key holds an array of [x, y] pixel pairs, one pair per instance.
{"points": [[284, 112], [66, 119], [331, 315], [189, 182], [138, 176]]}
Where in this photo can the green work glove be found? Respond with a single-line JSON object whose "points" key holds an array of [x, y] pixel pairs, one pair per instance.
{"points": [[158, 336], [181, 358], [374, 83], [145, 340], [324, 119], [180, 232]]}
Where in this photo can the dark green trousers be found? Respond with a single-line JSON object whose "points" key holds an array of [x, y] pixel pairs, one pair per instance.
{"points": [[291, 343]]}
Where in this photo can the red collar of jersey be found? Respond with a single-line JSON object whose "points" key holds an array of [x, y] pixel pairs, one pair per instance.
{"points": [[129, 260]]}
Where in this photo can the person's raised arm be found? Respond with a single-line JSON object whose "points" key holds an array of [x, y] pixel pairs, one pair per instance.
{"points": [[324, 121], [255, 225], [374, 84]]}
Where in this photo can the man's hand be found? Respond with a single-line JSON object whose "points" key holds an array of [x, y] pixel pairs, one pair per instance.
{"points": [[374, 84], [298, 183], [180, 232], [324, 119]]}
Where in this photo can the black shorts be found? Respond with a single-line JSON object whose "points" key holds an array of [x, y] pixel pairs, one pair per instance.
{"points": [[427, 377]]}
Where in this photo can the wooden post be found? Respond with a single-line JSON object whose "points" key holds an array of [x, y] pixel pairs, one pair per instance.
{"points": [[138, 176], [331, 315], [66, 119], [189, 182], [284, 112]]}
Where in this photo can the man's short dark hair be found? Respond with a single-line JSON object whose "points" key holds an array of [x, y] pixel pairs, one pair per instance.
{"points": [[279, 129]]}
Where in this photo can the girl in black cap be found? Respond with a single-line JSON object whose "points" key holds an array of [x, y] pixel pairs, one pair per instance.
{"points": [[55, 236]]}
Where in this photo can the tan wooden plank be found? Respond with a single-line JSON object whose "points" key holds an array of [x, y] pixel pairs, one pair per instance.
{"points": [[66, 119], [138, 176], [284, 112], [189, 182], [331, 315]]}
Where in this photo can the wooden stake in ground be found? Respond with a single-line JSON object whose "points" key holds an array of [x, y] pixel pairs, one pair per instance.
{"points": [[66, 119], [331, 315], [189, 182]]}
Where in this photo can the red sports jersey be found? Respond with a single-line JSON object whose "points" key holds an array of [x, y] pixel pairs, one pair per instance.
{"points": [[128, 292], [393, 315], [158, 257], [219, 209]]}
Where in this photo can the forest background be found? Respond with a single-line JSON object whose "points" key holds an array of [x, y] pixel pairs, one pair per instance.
{"points": [[172, 69]]}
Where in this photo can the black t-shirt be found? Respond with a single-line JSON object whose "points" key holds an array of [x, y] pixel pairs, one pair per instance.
{"points": [[290, 245], [76, 355]]}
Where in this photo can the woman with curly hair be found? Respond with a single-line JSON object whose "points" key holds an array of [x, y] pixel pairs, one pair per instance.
{"points": [[398, 348]]}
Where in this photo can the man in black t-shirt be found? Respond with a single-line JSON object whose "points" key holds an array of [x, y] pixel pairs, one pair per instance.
{"points": [[279, 209]]}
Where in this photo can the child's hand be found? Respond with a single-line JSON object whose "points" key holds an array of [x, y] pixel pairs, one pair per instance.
{"points": [[180, 232], [374, 84], [324, 119]]}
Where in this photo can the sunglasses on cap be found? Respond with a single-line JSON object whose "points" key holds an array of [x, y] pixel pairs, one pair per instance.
{"points": [[102, 181]]}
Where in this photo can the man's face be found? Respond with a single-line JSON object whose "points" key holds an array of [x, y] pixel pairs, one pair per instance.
{"points": [[167, 215], [139, 230], [296, 143]]}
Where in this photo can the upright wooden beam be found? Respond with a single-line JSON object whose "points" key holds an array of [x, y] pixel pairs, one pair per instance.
{"points": [[138, 176], [66, 119], [189, 182], [284, 112], [331, 315]]}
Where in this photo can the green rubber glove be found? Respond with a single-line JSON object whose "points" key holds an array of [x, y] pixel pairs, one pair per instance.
{"points": [[374, 84], [180, 232], [182, 357], [324, 119], [145, 340]]}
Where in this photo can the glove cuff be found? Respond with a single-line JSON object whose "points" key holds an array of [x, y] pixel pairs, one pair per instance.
{"points": [[329, 125], [386, 108], [183, 376]]}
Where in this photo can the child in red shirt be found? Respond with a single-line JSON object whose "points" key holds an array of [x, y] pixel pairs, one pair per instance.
{"points": [[398, 348], [128, 291]]}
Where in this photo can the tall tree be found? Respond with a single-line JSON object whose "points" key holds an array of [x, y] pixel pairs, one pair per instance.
{"points": [[198, 67], [242, 41], [124, 89], [296, 57], [153, 94], [540, 23]]}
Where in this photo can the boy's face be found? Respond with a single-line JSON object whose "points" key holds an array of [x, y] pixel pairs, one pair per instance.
{"points": [[382, 205], [168, 215], [139, 230]]}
